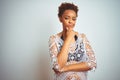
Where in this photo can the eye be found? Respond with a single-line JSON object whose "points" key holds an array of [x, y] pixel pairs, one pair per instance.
{"points": [[74, 19], [66, 18]]}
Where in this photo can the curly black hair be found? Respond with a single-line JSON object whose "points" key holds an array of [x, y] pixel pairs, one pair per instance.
{"points": [[66, 6]]}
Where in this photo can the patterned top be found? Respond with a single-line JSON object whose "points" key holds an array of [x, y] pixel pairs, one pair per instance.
{"points": [[79, 51]]}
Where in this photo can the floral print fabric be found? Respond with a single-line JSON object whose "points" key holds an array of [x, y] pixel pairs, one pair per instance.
{"points": [[80, 51]]}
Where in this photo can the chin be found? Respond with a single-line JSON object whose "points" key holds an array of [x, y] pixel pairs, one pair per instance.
{"points": [[71, 27]]}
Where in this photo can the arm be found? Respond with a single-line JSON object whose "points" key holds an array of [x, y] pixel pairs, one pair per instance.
{"points": [[83, 66], [90, 53], [63, 54], [53, 52], [59, 59]]}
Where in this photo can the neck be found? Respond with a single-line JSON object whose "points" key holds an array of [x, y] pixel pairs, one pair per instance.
{"points": [[64, 34]]}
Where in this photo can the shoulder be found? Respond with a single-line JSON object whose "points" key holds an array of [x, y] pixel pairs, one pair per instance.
{"points": [[82, 35], [51, 38], [54, 36]]}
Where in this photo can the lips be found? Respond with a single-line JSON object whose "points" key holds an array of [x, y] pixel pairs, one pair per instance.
{"points": [[71, 26]]}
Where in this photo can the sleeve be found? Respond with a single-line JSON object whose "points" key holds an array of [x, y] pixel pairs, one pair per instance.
{"points": [[53, 50], [91, 62]]}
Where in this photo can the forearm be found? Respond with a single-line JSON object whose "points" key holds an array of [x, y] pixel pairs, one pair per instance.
{"points": [[83, 66], [63, 55]]}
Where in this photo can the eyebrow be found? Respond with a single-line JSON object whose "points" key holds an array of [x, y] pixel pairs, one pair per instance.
{"points": [[69, 16]]}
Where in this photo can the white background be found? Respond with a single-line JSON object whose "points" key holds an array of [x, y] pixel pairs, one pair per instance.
{"points": [[25, 27]]}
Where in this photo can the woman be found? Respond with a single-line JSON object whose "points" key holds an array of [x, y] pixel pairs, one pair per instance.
{"points": [[71, 53]]}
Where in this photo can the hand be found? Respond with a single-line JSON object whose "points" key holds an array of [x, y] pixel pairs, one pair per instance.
{"points": [[56, 71], [70, 34]]}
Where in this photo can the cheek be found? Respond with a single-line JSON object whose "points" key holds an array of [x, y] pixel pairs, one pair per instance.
{"points": [[74, 22], [65, 22]]}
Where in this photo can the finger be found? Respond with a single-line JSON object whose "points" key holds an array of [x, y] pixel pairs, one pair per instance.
{"points": [[70, 29], [67, 28]]}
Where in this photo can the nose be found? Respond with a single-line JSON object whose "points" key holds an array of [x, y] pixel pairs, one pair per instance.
{"points": [[70, 21]]}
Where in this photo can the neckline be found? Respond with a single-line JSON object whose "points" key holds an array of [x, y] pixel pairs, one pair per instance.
{"points": [[75, 37], [58, 37]]}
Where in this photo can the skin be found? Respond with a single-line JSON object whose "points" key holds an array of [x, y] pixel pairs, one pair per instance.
{"points": [[68, 20]]}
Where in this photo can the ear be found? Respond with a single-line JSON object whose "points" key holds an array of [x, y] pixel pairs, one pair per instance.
{"points": [[60, 19]]}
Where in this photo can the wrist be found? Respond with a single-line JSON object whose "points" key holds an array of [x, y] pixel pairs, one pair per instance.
{"points": [[64, 69]]}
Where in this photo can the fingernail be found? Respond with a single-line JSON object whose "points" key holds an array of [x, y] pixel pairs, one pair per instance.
{"points": [[67, 28]]}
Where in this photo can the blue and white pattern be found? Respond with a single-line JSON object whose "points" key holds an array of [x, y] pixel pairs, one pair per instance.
{"points": [[78, 54], [80, 51]]}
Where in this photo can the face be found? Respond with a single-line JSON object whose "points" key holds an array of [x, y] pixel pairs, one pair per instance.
{"points": [[68, 19]]}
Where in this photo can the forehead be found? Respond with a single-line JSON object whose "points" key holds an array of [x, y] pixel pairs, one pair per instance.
{"points": [[69, 13]]}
